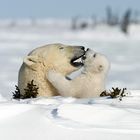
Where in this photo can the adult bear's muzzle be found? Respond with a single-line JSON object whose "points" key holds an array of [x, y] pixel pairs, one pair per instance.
{"points": [[76, 61]]}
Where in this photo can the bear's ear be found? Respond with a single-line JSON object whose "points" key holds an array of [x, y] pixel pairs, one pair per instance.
{"points": [[100, 68], [30, 60]]}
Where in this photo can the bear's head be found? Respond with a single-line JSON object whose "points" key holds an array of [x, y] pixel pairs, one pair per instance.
{"points": [[62, 58], [95, 62]]}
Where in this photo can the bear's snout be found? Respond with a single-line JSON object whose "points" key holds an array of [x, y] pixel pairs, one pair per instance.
{"points": [[82, 47]]}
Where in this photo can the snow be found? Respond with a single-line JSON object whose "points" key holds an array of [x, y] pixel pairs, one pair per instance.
{"points": [[70, 118]]}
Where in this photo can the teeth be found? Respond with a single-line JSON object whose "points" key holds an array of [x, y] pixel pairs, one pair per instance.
{"points": [[78, 60]]}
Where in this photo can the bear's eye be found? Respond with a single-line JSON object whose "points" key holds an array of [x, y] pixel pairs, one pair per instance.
{"points": [[100, 67], [61, 48], [94, 55]]}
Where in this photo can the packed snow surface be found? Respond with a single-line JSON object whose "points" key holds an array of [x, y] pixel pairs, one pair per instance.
{"points": [[59, 118], [69, 118]]}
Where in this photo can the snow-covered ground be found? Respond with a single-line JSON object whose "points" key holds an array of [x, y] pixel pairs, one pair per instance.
{"points": [[70, 118], [60, 118]]}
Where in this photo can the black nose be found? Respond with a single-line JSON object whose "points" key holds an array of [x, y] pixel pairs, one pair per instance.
{"points": [[82, 47], [87, 49]]}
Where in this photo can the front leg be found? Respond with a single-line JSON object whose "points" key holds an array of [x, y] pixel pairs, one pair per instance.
{"points": [[60, 83]]}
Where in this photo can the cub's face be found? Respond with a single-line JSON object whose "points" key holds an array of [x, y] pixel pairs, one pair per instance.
{"points": [[95, 62]]}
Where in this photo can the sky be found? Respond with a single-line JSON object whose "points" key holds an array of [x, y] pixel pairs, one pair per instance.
{"points": [[62, 8]]}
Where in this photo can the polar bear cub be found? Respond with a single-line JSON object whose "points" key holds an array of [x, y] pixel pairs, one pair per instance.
{"points": [[91, 82]]}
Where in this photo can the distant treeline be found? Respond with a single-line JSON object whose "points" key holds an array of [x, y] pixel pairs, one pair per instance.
{"points": [[111, 19]]}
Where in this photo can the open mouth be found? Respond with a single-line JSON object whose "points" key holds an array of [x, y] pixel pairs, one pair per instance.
{"points": [[77, 61]]}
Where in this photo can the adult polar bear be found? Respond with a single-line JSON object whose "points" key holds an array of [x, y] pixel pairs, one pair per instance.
{"points": [[36, 65]]}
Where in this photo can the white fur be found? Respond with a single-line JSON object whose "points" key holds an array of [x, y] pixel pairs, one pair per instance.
{"points": [[38, 62], [89, 84]]}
